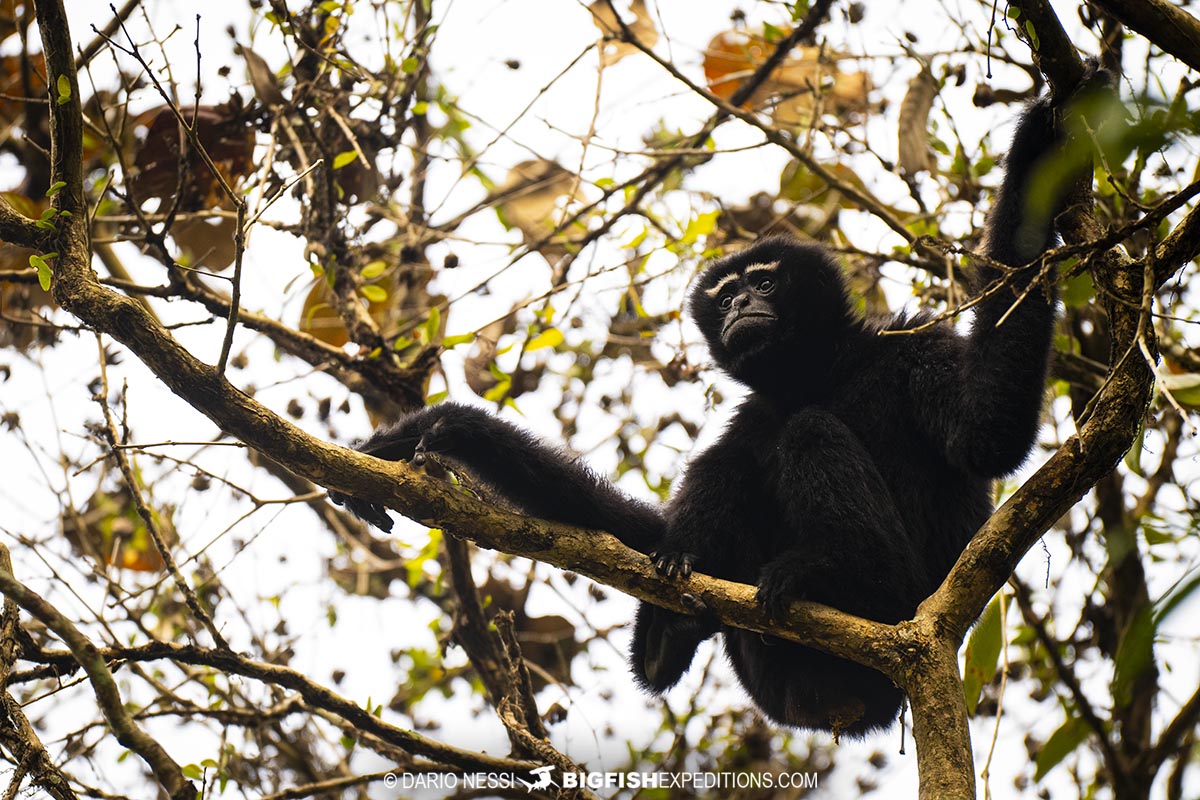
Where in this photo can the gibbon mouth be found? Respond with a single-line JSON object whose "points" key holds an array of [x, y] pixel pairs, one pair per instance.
{"points": [[745, 322]]}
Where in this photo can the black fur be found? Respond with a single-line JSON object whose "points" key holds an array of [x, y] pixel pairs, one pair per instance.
{"points": [[852, 475]]}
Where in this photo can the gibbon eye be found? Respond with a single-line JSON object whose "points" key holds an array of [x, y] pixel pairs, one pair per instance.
{"points": [[765, 286], [725, 302]]}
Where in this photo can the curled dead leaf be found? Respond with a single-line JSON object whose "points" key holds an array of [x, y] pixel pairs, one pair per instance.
{"points": [[321, 320], [913, 152], [641, 26], [535, 198], [109, 530], [207, 243], [262, 77], [808, 83], [476, 367], [157, 173]]}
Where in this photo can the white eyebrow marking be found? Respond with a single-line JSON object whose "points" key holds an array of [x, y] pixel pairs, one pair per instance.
{"points": [[756, 267], [770, 267], [716, 290]]}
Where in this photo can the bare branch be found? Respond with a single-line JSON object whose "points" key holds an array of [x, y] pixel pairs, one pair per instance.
{"points": [[128, 733], [1165, 24]]}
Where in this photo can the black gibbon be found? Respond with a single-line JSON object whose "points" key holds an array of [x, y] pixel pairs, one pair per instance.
{"points": [[852, 474]]}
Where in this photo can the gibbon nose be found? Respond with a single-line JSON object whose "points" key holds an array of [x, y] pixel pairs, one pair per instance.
{"points": [[741, 301]]}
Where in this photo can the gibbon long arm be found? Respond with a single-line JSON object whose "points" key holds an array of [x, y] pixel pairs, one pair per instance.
{"points": [[539, 479]]}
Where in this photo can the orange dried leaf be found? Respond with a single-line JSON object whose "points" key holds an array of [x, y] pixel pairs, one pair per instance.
{"points": [[641, 26], [807, 82]]}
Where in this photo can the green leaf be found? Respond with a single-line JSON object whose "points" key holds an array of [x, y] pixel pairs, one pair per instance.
{"points": [[1133, 457], [436, 397], [1134, 655], [45, 220], [64, 89], [498, 391], [409, 65], [193, 772], [344, 158], [1061, 744], [376, 294], [1077, 291], [702, 225], [637, 239], [432, 325], [1185, 388], [55, 188], [43, 271], [374, 269], [1176, 596], [551, 337], [1156, 536], [983, 652], [454, 341], [420, 108]]}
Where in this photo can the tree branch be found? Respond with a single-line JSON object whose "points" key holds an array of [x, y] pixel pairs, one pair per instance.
{"points": [[16, 734], [1171, 738], [1180, 246], [1053, 51], [395, 485], [108, 697], [1165, 24], [313, 693], [16, 228], [732, 108], [1104, 437]]}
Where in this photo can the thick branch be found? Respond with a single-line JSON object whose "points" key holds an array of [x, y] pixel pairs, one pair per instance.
{"points": [[15, 228], [108, 697], [1106, 434], [1172, 738], [395, 485], [1165, 24], [1180, 246], [16, 733], [939, 712], [1053, 52], [313, 693]]}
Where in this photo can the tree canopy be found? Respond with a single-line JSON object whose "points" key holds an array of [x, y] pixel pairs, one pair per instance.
{"points": [[232, 243]]}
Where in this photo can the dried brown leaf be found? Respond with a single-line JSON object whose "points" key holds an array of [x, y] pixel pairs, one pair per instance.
{"points": [[914, 154]]}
